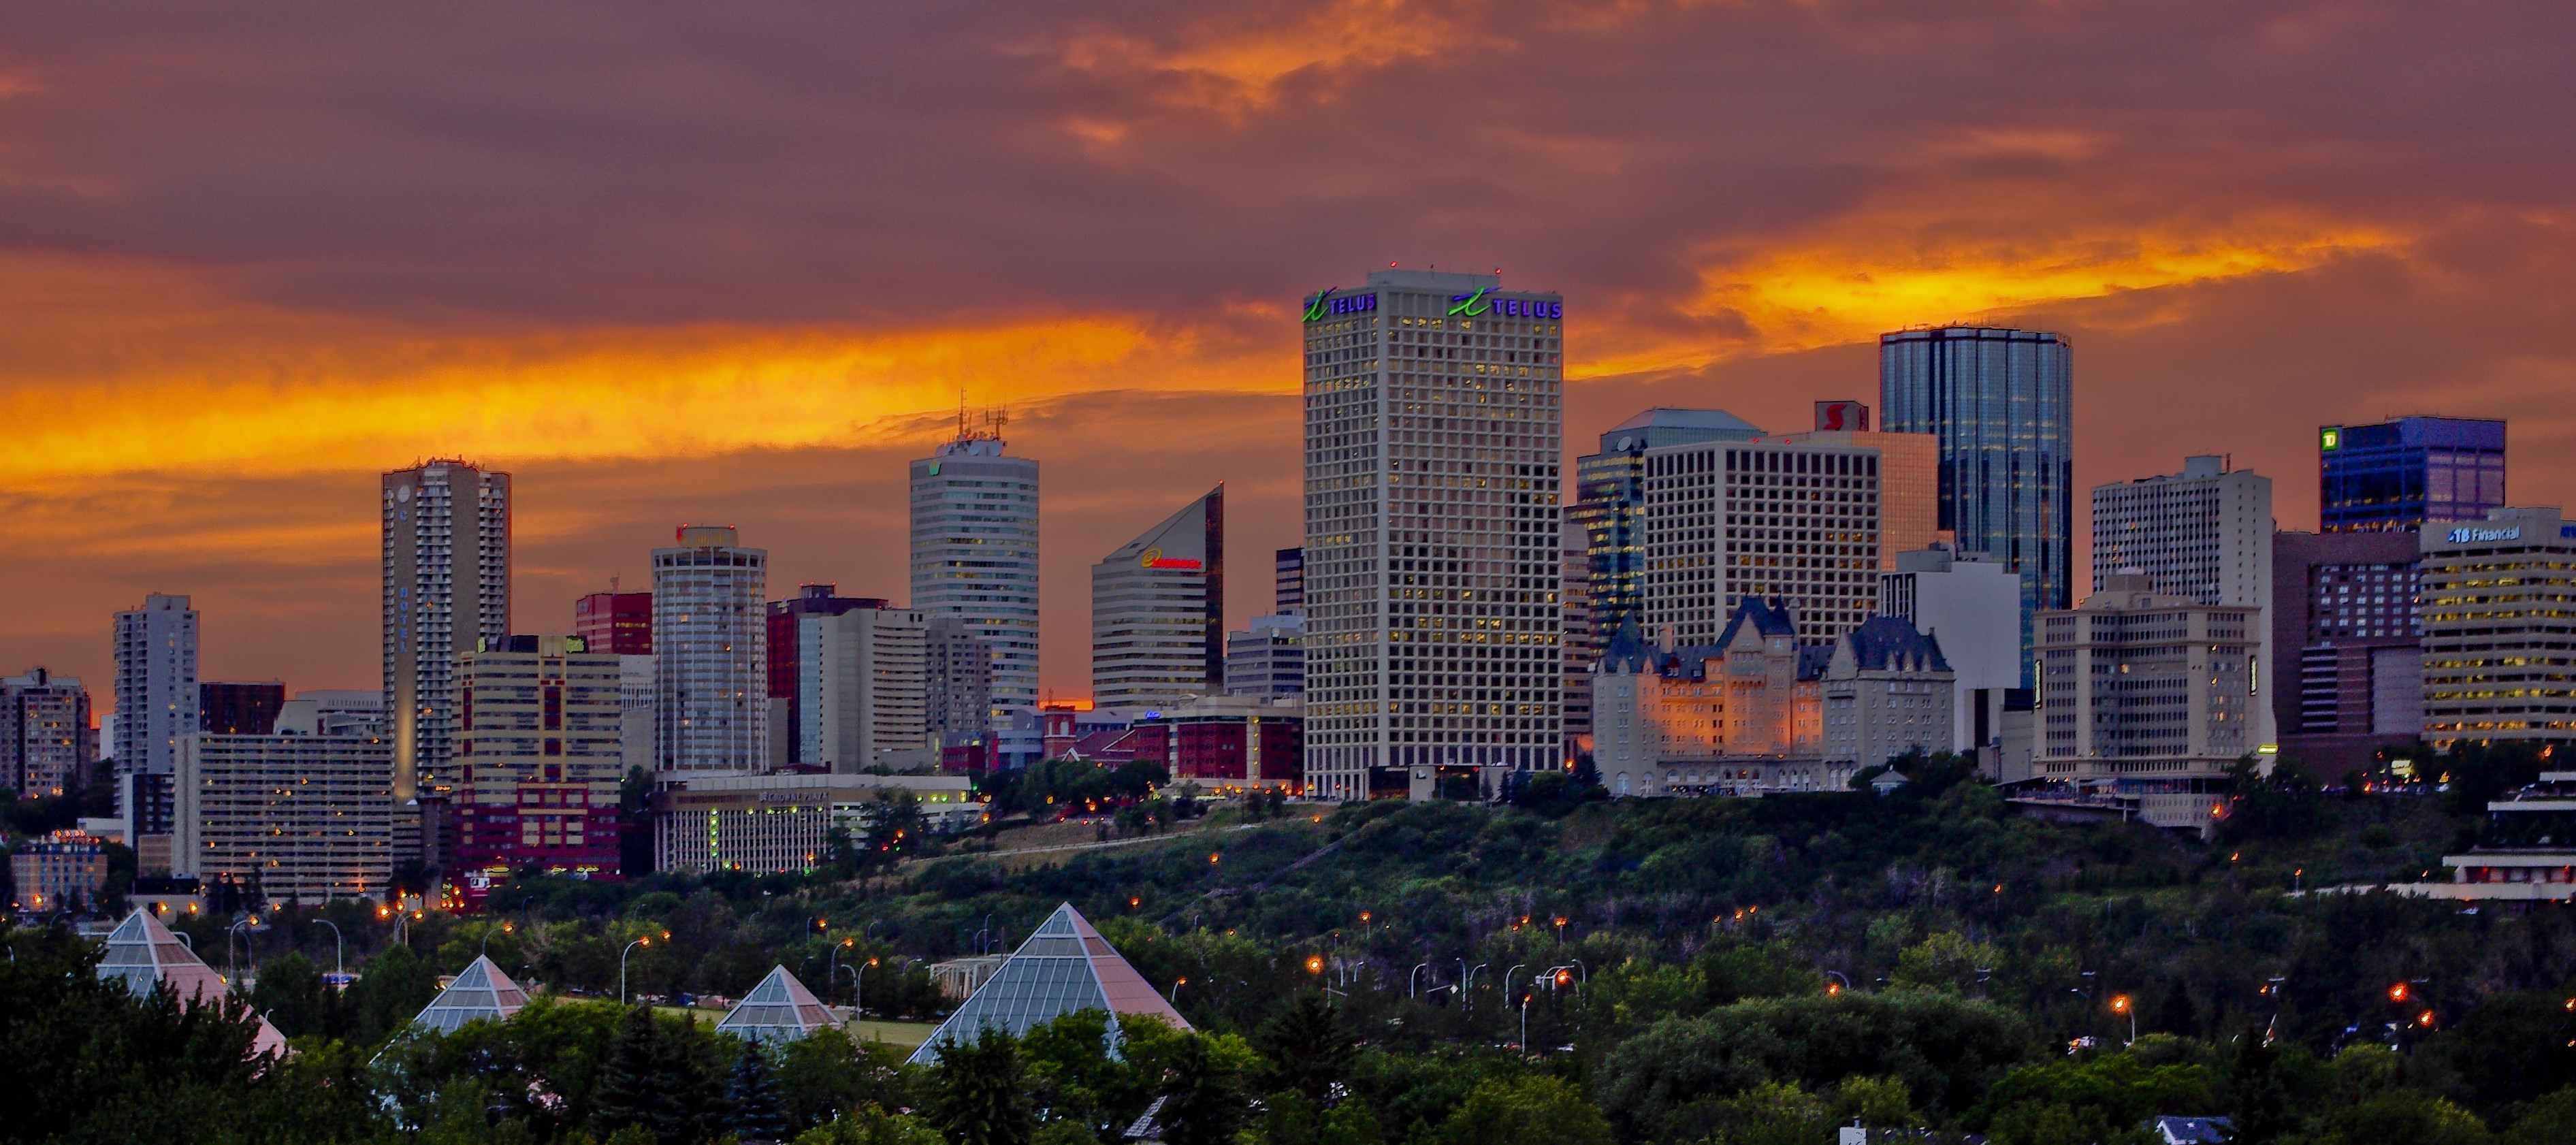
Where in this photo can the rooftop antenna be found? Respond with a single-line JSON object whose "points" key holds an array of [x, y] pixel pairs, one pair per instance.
{"points": [[961, 413]]}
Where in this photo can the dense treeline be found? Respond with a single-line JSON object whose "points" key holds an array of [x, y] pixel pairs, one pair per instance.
{"points": [[1678, 971]]}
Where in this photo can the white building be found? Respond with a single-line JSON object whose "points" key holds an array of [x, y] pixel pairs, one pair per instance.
{"points": [[1791, 521], [334, 712], [864, 683], [2497, 627], [2149, 694], [1972, 605], [1267, 659], [1887, 691], [710, 653], [1158, 612], [2204, 533], [446, 587], [785, 822], [306, 817], [1434, 430], [975, 556], [156, 684]]}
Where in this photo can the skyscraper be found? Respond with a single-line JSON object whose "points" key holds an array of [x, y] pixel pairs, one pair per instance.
{"points": [[446, 588], [1288, 582], [1610, 505], [539, 762], [615, 622], [863, 689], [710, 653], [2001, 402], [789, 676], [156, 684], [2346, 647], [46, 743], [1787, 521], [2495, 628], [1158, 611], [1433, 430], [2204, 533], [2400, 474], [975, 556]]}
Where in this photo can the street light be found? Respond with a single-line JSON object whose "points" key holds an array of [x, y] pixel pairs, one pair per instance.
{"points": [[2120, 1005], [621, 965], [1840, 983], [339, 959], [1409, 977], [859, 988]]}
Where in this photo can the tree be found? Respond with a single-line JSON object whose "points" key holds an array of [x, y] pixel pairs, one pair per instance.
{"points": [[1203, 1103], [1305, 1047], [753, 1098], [290, 994], [393, 988], [824, 1075], [870, 1125], [652, 1080], [1536, 1110], [2258, 1088], [2406, 1117], [979, 1091]]}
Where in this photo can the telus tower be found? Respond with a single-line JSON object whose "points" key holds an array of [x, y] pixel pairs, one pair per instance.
{"points": [[1434, 429]]}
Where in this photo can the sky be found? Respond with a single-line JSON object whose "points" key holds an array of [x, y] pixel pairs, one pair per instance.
{"points": [[736, 263]]}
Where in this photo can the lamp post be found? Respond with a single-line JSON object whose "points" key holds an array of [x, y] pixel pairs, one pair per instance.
{"points": [[339, 959], [859, 989], [2120, 1005], [621, 965], [1470, 983], [1410, 976], [1837, 976]]}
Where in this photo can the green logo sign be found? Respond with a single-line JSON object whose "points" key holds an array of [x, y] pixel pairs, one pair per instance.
{"points": [[1315, 309], [1470, 305]]}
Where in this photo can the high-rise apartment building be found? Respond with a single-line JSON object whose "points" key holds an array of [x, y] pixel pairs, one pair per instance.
{"points": [[446, 588], [1610, 503], [2204, 534], [615, 622], [1909, 477], [975, 556], [1792, 522], [46, 742], [789, 674], [710, 653], [1433, 430], [240, 707], [304, 818], [2001, 404], [1288, 581], [156, 683], [1158, 612], [2497, 627], [1582, 636], [2346, 653], [957, 701], [863, 689], [1972, 607], [2151, 696], [2403, 473], [539, 761]]}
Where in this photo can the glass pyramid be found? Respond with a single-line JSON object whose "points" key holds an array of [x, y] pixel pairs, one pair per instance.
{"points": [[1064, 966], [779, 1009], [481, 992], [142, 954]]}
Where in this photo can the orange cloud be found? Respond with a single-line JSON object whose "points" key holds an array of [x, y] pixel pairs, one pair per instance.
{"points": [[1238, 62]]}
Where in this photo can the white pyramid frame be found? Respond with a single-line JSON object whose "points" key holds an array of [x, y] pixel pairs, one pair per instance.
{"points": [[1063, 967], [143, 954], [779, 1009], [483, 991]]}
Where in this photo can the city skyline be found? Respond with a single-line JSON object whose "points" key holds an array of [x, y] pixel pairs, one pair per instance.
{"points": [[228, 356]]}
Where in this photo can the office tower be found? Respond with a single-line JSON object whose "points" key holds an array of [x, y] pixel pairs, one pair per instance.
{"points": [[615, 622], [787, 714], [1268, 659], [2204, 533], [710, 653], [446, 587], [975, 556], [2149, 696], [2001, 403], [1887, 692], [156, 683], [957, 701], [1433, 430], [1610, 503], [1288, 581], [1972, 607], [2345, 649], [303, 818], [240, 707], [863, 689], [539, 761], [1909, 477], [46, 743], [2495, 627], [2404, 473], [1582, 639], [1158, 611], [1794, 523]]}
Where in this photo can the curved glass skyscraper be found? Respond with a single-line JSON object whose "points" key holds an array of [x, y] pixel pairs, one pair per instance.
{"points": [[2001, 403], [975, 557]]}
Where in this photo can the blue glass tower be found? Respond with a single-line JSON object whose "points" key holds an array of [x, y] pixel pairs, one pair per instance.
{"points": [[2001, 404], [2400, 474]]}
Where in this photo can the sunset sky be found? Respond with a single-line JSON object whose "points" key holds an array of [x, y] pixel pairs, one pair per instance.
{"points": [[734, 263]]}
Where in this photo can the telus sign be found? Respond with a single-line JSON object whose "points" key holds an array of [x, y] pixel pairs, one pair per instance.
{"points": [[1475, 305], [1326, 304]]}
